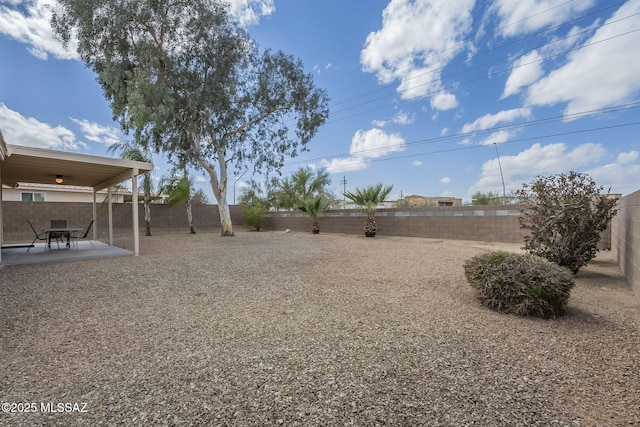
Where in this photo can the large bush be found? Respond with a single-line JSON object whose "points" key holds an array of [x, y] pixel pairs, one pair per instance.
{"points": [[564, 215], [521, 284]]}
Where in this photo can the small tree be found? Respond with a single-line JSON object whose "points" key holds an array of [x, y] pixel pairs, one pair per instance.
{"points": [[253, 215], [368, 200], [488, 198], [256, 203], [313, 207], [135, 152], [564, 215], [179, 189]]}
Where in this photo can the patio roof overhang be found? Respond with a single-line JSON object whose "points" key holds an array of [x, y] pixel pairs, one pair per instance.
{"points": [[36, 165]]}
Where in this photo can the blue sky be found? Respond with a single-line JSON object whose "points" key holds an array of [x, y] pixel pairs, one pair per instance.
{"points": [[424, 94]]}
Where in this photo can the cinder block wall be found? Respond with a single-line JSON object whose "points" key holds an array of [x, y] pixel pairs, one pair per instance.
{"points": [[625, 239], [486, 223], [40, 214]]}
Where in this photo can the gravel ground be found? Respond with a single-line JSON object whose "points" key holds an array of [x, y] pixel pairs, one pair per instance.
{"points": [[296, 329]]}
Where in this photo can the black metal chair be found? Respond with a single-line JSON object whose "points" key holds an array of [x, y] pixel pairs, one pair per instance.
{"points": [[75, 237], [38, 236]]}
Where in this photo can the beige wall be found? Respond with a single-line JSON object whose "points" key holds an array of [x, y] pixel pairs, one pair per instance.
{"points": [[625, 239], [56, 194]]}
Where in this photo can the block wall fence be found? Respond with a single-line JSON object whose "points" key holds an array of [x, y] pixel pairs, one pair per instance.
{"points": [[625, 239], [486, 223], [479, 223]]}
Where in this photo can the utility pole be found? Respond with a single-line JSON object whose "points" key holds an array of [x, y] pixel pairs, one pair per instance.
{"points": [[344, 191], [504, 192]]}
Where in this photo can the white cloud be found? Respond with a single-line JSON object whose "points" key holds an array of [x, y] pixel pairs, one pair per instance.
{"points": [[97, 133], [400, 118], [375, 143], [526, 16], [344, 164], [27, 131], [498, 137], [417, 39], [526, 70], [444, 101], [445, 180], [365, 145], [416, 163], [625, 158], [598, 75], [403, 118], [620, 178], [28, 22], [249, 12], [536, 160], [491, 120]]}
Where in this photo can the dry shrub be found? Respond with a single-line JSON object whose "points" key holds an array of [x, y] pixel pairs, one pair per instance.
{"points": [[521, 284]]}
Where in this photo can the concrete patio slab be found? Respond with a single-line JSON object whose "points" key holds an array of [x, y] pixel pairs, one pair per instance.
{"points": [[39, 254]]}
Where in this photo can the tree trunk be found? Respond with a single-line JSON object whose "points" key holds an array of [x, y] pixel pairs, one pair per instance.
{"points": [[370, 227], [190, 217], [226, 228], [147, 216], [220, 191]]}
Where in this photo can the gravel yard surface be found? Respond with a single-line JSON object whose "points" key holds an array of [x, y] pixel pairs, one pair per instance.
{"points": [[295, 329]]}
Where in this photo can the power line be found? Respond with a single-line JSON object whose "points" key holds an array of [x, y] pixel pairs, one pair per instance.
{"points": [[457, 85], [486, 51], [473, 147], [462, 135]]}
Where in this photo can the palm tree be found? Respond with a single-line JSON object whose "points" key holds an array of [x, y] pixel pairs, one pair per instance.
{"points": [[131, 151], [313, 207], [179, 189], [368, 200]]}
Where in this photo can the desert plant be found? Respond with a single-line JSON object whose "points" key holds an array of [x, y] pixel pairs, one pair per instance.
{"points": [[313, 207], [564, 215], [368, 200], [521, 284], [254, 216]]}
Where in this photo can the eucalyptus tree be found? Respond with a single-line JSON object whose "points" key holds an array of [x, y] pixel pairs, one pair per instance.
{"points": [[132, 151], [188, 81]]}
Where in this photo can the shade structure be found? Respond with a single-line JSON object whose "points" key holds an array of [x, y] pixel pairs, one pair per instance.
{"points": [[36, 165]]}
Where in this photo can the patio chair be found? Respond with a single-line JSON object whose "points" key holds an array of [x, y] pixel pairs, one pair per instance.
{"points": [[75, 237], [38, 236]]}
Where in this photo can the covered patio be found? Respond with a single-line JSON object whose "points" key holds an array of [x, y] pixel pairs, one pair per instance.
{"points": [[35, 165]]}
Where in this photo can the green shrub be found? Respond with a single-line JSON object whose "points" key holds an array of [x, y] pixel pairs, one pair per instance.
{"points": [[521, 284], [253, 216]]}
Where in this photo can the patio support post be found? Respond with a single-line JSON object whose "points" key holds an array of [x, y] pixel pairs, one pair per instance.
{"points": [[95, 216], [1, 218], [134, 200], [110, 204]]}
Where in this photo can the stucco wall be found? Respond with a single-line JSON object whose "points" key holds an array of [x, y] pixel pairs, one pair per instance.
{"points": [[625, 239]]}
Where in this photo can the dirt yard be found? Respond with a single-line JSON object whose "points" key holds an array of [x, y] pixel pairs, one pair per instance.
{"points": [[295, 329]]}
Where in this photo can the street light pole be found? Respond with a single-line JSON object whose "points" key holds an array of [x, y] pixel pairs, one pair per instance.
{"points": [[504, 191]]}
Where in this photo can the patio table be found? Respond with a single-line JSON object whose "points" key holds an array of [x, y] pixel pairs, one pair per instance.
{"points": [[65, 231]]}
